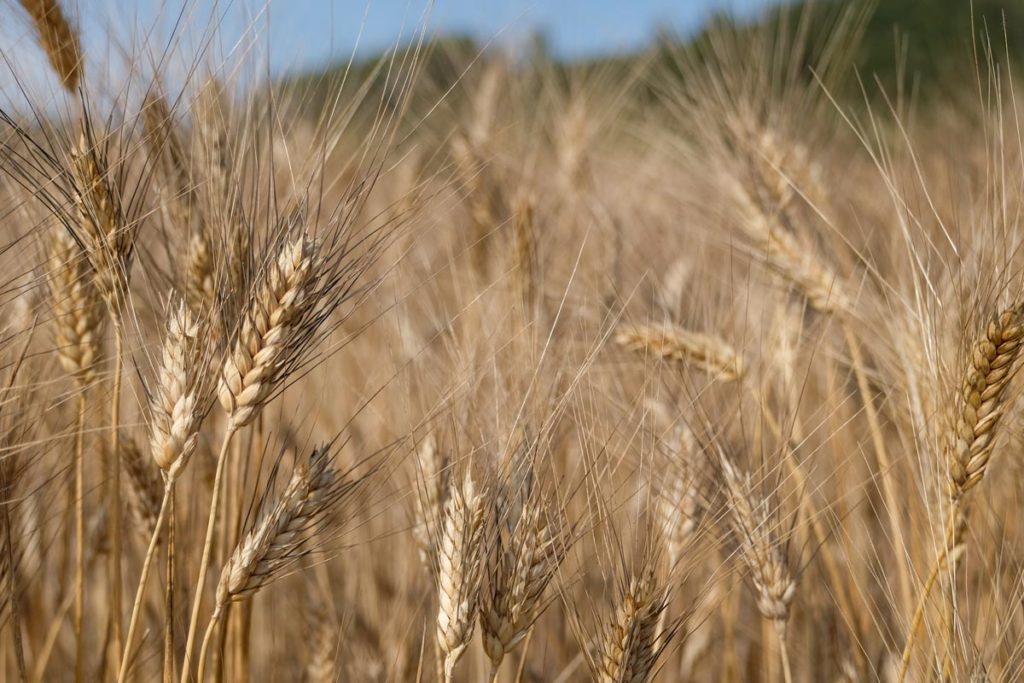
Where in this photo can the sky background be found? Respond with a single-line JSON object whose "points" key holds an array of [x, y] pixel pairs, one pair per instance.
{"points": [[292, 35], [574, 28]]}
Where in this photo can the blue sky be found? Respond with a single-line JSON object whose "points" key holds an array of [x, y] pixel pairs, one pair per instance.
{"points": [[298, 34], [575, 27], [306, 32]]}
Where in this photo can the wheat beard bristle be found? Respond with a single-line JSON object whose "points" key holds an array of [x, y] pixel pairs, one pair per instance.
{"points": [[266, 342], [979, 404]]}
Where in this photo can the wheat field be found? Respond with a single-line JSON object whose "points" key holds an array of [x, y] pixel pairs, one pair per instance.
{"points": [[464, 367]]}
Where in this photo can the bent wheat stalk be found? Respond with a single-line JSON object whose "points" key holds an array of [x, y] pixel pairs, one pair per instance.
{"points": [[271, 337], [278, 540], [180, 404], [970, 437]]}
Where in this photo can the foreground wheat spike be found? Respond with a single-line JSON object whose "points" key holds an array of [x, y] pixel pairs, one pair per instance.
{"points": [[177, 406], [270, 335], [754, 520], [431, 494], [278, 540], [980, 403], [630, 649], [527, 547], [970, 437], [59, 40], [675, 343], [458, 579]]}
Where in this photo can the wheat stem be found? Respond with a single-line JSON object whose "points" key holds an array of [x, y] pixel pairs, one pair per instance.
{"points": [[115, 489], [168, 668], [79, 606], [915, 623], [147, 564], [13, 595], [211, 628], [207, 548], [884, 465], [780, 629], [42, 658]]}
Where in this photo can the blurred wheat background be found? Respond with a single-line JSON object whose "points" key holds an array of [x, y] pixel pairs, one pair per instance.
{"points": [[460, 363]]}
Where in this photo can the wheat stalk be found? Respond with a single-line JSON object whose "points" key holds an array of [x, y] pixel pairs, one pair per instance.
{"points": [[278, 540]]}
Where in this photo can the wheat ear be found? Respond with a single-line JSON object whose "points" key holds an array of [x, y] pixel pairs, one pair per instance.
{"points": [[431, 493], [676, 343], [753, 520], [458, 580], [630, 649], [523, 554], [59, 40]]}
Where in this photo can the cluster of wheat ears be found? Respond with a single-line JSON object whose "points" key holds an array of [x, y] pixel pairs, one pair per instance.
{"points": [[698, 370]]}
